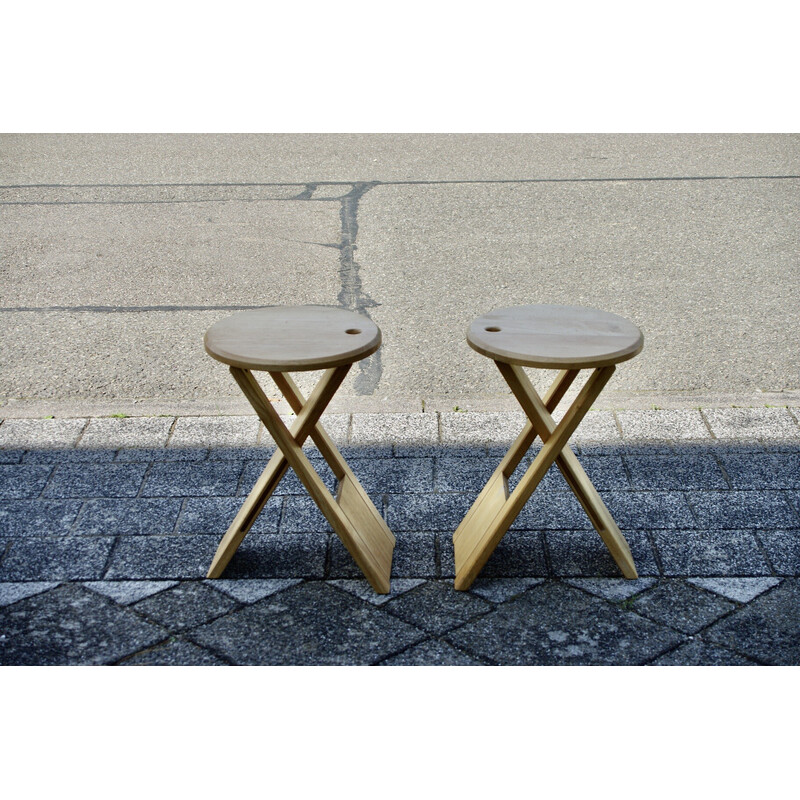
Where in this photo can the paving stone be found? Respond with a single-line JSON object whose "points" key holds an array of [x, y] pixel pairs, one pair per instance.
{"points": [[662, 424], [756, 423], [127, 592], [252, 590], [743, 510], [709, 553], [682, 606], [214, 432], [130, 517], [312, 624], [597, 426], [490, 428], [59, 559], [290, 483], [177, 479], [94, 480], [783, 550], [280, 555], [362, 589], [426, 512], [40, 434], [463, 474], [551, 511], [215, 514], [699, 653], [145, 455], [11, 456], [584, 554], [23, 481], [765, 629], [431, 653], [175, 653], [185, 605], [519, 554], [742, 590], [414, 556], [38, 517], [614, 589], [395, 476], [762, 470], [12, 592], [555, 624], [498, 590], [139, 558], [649, 510], [436, 607], [677, 472], [70, 625], [605, 472], [70, 456], [129, 432], [302, 515], [402, 431], [258, 453], [446, 554]]}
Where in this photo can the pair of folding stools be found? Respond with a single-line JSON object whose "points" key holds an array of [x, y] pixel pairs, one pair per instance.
{"points": [[282, 339]]}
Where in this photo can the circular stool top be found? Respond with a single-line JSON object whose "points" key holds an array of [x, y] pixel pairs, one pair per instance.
{"points": [[555, 337], [292, 338]]}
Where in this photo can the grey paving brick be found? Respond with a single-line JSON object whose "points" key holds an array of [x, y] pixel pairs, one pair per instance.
{"points": [[431, 653], [662, 424], [254, 589], [676, 472], [498, 590], [606, 472], [699, 653], [56, 559], [756, 423], [551, 511], [37, 517], [742, 590], [783, 550], [68, 456], [743, 510], [70, 625], [681, 606], [444, 549], [396, 475], [426, 512], [583, 554], [214, 432], [709, 553], [762, 470], [301, 515], [362, 589], [597, 426], [290, 483], [174, 653], [436, 607], [649, 510], [213, 515], [463, 474], [284, 555], [138, 516], [311, 623], [559, 625], [140, 558], [765, 629], [177, 479], [22, 481], [11, 456], [498, 428], [127, 592], [519, 554], [145, 455], [40, 434], [93, 480], [12, 592], [614, 589], [414, 556], [185, 605], [401, 431], [260, 453], [130, 432]]}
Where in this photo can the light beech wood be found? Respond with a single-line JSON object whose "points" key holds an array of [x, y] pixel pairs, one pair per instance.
{"points": [[549, 336], [495, 509], [352, 515]]}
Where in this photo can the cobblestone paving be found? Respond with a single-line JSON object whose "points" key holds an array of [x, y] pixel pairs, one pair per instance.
{"points": [[107, 527]]}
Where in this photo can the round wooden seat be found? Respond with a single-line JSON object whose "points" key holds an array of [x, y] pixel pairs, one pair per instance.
{"points": [[292, 338], [555, 337]]}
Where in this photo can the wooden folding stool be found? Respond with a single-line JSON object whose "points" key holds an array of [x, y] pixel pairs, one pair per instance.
{"points": [[569, 339], [280, 340]]}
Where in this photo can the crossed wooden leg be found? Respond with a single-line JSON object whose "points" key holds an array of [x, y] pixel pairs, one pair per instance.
{"points": [[351, 514], [494, 510]]}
